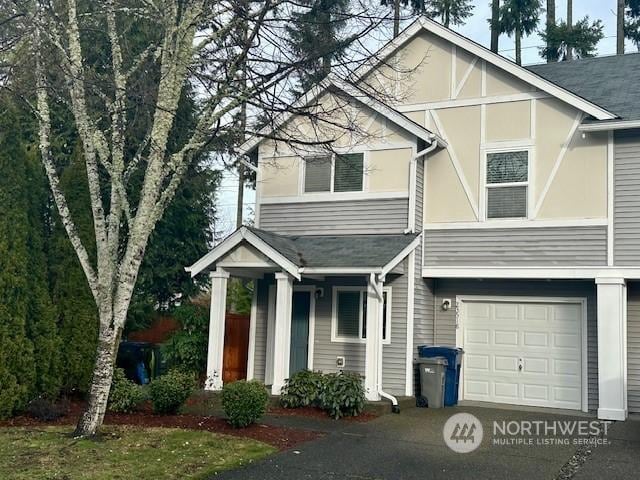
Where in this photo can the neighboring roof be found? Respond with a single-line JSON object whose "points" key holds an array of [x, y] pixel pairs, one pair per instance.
{"points": [[611, 82], [330, 253], [352, 91], [343, 251]]}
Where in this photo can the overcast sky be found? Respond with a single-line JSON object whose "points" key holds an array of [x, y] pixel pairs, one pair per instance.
{"points": [[477, 29]]}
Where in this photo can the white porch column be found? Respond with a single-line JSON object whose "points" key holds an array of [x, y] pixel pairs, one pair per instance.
{"points": [[282, 331], [373, 343], [612, 348], [216, 329]]}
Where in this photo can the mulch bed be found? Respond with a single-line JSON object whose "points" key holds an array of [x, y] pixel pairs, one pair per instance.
{"points": [[280, 437], [313, 412]]}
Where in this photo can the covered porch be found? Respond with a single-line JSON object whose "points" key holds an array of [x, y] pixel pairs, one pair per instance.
{"points": [[345, 281]]}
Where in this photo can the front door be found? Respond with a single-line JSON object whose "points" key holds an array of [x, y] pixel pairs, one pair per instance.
{"points": [[299, 331]]}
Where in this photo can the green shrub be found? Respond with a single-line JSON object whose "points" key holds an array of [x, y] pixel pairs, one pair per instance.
{"points": [[342, 394], [244, 402], [302, 389], [188, 346], [124, 395], [169, 392]]}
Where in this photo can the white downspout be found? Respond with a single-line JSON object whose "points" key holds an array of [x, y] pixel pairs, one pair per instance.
{"points": [[413, 172], [395, 408]]}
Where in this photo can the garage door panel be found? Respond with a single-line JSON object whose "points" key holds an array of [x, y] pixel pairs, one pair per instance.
{"points": [[506, 390], [477, 362], [544, 339], [476, 336], [505, 338], [536, 365], [536, 313], [535, 339]]}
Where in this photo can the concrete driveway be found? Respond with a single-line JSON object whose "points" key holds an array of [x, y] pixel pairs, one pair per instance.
{"points": [[411, 446]]}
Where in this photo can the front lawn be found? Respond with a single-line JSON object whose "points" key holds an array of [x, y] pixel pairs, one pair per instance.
{"points": [[122, 452]]}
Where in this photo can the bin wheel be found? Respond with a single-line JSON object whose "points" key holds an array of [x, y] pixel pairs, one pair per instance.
{"points": [[421, 402]]}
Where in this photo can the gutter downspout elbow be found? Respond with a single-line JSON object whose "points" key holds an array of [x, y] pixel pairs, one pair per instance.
{"points": [[412, 183]]}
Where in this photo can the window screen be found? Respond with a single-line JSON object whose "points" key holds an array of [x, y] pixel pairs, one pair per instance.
{"points": [[348, 314], [349, 173], [317, 174], [507, 184]]}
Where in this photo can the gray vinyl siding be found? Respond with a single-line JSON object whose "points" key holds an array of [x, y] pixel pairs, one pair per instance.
{"points": [[394, 355], [626, 208], [537, 246], [445, 321], [633, 347], [335, 217], [326, 351], [259, 359]]}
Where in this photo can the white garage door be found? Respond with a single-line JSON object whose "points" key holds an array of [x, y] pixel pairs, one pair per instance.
{"points": [[522, 352]]}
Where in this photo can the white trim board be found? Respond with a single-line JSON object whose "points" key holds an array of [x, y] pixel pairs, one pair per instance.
{"points": [[569, 222], [582, 301], [537, 272], [251, 353], [335, 197], [235, 239]]}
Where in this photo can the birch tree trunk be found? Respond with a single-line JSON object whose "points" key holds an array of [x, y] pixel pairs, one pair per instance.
{"points": [[197, 41]]}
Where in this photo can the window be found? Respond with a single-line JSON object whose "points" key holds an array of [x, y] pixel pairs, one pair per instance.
{"points": [[338, 173], [350, 314], [317, 174], [507, 184]]}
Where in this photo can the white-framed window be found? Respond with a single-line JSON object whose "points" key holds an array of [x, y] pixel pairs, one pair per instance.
{"points": [[334, 173], [506, 183], [349, 314]]}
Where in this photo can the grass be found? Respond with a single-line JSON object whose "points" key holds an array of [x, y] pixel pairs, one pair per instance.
{"points": [[122, 453]]}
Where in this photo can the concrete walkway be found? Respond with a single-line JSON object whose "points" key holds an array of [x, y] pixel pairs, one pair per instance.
{"points": [[411, 446]]}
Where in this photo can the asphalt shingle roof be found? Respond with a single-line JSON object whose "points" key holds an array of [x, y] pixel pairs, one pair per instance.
{"points": [[609, 82], [327, 251]]}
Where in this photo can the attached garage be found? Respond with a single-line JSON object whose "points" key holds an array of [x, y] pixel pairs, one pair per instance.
{"points": [[524, 350]]}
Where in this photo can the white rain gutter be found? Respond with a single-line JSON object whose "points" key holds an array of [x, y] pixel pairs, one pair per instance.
{"points": [[413, 172], [395, 408]]}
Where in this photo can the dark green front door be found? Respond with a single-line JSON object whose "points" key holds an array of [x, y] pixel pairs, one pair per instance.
{"points": [[299, 331]]}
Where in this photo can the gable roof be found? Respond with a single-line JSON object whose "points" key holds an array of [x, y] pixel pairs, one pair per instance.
{"points": [[297, 254], [610, 82], [524, 74], [352, 91]]}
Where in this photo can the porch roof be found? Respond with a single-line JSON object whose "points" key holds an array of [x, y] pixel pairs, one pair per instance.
{"points": [[297, 254]]}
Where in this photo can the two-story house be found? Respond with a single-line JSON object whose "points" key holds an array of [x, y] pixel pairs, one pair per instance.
{"points": [[497, 209]]}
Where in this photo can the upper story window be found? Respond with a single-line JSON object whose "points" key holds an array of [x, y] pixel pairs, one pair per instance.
{"points": [[337, 173], [349, 322], [507, 184]]}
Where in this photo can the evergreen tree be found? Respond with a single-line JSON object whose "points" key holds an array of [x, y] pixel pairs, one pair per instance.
{"points": [[566, 41], [17, 366], [632, 22], [551, 22], [494, 24], [519, 18], [449, 12], [315, 33]]}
